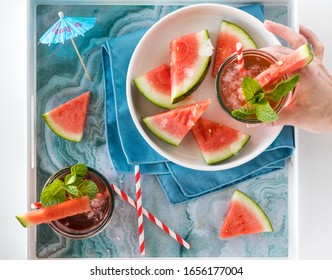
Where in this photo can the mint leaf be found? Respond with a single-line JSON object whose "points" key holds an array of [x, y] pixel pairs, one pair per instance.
{"points": [[70, 179], [244, 112], [283, 88], [53, 194], [79, 169], [250, 87], [258, 97], [73, 186], [72, 190], [265, 112], [87, 187]]}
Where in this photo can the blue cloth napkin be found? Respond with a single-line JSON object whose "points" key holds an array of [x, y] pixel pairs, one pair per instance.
{"points": [[127, 147]]}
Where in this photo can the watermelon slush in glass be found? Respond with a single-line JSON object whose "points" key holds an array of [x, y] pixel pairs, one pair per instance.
{"points": [[91, 223], [229, 81]]}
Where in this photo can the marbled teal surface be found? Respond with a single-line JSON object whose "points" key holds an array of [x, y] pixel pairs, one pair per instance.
{"points": [[61, 77]]}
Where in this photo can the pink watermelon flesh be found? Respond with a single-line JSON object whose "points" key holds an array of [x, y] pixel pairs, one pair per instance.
{"points": [[59, 211], [229, 35], [68, 120], [297, 59], [155, 85], [172, 126], [218, 142], [190, 59], [244, 216], [161, 79]]}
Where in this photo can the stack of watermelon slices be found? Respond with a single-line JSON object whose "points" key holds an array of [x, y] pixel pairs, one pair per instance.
{"points": [[169, 87], [190, 57]]}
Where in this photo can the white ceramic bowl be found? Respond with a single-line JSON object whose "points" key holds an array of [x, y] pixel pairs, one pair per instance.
{"points": [[153, 50]]}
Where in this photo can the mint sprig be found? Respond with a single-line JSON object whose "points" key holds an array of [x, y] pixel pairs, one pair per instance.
{"points": [[74, 185], [258, 99]]}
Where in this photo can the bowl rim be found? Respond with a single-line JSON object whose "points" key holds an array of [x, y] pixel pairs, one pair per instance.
{"points": [[203, 167]]}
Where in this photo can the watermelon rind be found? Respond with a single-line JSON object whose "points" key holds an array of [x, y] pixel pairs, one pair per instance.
{"points": [[155, 96], [218, 142], [240, 34], [255, 209], [55, 212], [197, 72], [181, 120], [291, 62], [23, 221], [168, 138], [61, 131], [232, 150]]}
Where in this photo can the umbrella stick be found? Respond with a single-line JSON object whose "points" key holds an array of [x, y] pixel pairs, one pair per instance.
{"points": [[79, 56]]}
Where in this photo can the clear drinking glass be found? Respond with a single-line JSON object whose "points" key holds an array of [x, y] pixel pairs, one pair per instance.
{"points": [[88, 224], [229, 81]]}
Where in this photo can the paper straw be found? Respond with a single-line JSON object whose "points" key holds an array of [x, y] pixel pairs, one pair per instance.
{"points": [[240, 60], [151, 217], [36, 205], [139, 210]]}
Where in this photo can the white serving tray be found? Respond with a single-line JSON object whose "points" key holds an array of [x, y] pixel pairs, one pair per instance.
{"points": [[292, 20]]}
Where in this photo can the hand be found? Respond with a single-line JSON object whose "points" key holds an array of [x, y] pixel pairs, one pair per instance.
{"points": [[311, 106]]}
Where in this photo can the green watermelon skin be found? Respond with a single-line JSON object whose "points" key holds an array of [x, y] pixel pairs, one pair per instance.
{"points": [[218, 142], [68, 119], [55, 212], [173, 125], [297, 59], [244, 216], [155, 85], [229, 34], [190, 60]]}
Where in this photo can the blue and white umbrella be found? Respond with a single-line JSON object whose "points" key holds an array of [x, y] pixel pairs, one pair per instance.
{"points": [[68, 28]]}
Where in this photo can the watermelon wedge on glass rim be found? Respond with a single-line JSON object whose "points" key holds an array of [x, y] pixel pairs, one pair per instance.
{"points": [[68, 119], [62, 210], [218, 142], [289, 63], [173, 125], [229, 34], [190, 60]]}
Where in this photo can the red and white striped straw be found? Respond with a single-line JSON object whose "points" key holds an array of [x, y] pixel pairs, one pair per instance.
{"points": [[139, 210], [36, 205], [151, 217], [240, 60]]}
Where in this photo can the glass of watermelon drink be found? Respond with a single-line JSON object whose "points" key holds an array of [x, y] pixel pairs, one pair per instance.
{"points": [[229, 82], [88, 224]]}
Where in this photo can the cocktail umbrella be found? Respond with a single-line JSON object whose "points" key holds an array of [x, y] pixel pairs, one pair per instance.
{"points": [[68, 28]]}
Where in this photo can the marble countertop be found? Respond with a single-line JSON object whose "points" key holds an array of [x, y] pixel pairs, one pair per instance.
{"points": [[311, 166], [198, 221]]}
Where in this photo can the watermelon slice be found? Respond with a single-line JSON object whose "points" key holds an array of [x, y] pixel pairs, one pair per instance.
{"points": [[59, 211], [297, 59], [229, 35], [218, 142], [190, 60], [155, 85], [67, 120], [172, 126], [244, 216]]}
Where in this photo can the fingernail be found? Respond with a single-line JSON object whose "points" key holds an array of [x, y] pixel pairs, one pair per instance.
{"points": [[267, 21]]}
